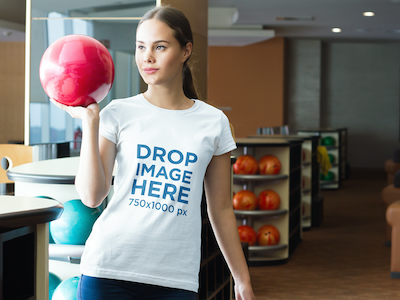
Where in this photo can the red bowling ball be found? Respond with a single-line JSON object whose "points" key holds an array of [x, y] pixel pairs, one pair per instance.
{"points": [[76, 70], [269, 200], [245, 165], [247, 235]]}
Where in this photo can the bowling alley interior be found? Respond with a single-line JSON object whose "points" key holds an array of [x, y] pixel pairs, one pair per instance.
{"points": [[311, 90]]}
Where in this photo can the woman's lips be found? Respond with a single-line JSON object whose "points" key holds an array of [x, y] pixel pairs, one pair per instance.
{"points": [[150, 70]]}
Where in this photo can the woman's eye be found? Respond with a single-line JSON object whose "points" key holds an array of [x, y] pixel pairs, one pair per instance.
{"points": [[140, 47], [160, 47]]}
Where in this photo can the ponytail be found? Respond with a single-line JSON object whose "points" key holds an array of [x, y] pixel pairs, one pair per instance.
{"points": [[188, 85]]}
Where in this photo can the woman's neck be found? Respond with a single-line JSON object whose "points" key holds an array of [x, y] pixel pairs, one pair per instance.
{"points": [[168, 98]]}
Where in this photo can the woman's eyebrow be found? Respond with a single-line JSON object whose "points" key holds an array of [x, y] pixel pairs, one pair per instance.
{"points": [[155, 42]]}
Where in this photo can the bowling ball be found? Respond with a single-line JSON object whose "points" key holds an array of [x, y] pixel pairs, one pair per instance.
{"points": [[67, 289], [54, 281], [76, 70], [331, 158], [247, 235], [329, 177], [268, 200], [269, 165], [51, 240], [245, 165], [245, 200], [268, 235], [328, 141], [75, 224]]}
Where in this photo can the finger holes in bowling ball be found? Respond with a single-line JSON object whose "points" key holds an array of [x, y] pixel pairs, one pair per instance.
{"points": [[6, 163]]}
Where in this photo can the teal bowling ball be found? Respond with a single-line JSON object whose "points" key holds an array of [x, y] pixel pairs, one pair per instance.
{"points": [[67, 289], [51, 240], [328, 141], [75, 224], [54, 281], [331, 158], [329, 177]]}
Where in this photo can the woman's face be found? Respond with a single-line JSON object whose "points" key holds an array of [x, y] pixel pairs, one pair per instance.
{"points": [[159, 56]]}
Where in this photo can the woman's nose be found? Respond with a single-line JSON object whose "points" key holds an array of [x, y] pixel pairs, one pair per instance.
{"points": [[148, 56]]}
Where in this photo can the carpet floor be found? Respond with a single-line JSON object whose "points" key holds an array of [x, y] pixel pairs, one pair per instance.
{"points": [[345, 257]]}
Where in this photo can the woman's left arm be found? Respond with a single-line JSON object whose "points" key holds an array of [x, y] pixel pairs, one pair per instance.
{"points": [[220, 211]]}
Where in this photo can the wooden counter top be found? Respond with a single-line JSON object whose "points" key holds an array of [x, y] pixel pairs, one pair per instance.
{"points": [[16, 212]]}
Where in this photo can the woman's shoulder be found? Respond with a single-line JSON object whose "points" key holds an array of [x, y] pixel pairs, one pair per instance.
{"points": [[122, 103], [209, 108]]}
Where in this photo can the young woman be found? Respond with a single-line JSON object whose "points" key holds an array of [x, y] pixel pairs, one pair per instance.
{"points": [[165, 143]]}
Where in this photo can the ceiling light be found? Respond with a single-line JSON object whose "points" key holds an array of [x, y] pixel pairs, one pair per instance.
{"points": [[397, 31], [369, 14], [336, 30], [295, 18], [362, 30]]}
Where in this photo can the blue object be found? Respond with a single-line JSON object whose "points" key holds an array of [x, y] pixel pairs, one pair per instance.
{"points": [[54, 281], [67, 289], [75, 224], [93, 288]]}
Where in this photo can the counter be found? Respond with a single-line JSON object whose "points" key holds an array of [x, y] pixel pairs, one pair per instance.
{"points": [[24, 239]]}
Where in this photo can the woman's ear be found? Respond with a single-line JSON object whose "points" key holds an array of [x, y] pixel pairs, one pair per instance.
{"points": [[187, 52]]}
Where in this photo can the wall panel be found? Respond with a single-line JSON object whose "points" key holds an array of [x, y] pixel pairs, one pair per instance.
{"points": [[12, 78], [250, 81]]}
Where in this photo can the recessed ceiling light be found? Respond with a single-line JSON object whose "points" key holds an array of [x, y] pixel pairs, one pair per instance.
{"points": [[392, 31], [295, 18], [369, 14], [362, 30], [336, 30]]}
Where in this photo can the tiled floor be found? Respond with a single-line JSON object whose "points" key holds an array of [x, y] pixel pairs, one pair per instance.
{"points": [[344, 258]]}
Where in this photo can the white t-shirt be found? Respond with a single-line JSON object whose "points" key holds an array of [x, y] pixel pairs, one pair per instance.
{"points": [[150, 231]]}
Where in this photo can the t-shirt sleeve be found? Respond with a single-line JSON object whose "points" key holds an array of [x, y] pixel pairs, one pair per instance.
{"points": [[108, 123], [226, 141]]}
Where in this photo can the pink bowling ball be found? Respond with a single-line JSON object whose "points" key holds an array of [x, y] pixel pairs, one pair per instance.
{"points": [[76, 70]]}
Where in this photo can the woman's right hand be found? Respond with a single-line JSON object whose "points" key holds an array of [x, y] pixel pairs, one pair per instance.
{"points": [[79, 112]]}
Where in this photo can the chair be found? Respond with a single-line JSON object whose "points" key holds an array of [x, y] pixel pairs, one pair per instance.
{"points": [[274, 130], [12, 155], [391, 167], [391, 194], [393, 218], [266, 131], [285, 130]]}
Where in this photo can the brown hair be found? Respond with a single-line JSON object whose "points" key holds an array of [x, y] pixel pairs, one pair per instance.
{"points": [[178, 22]]}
